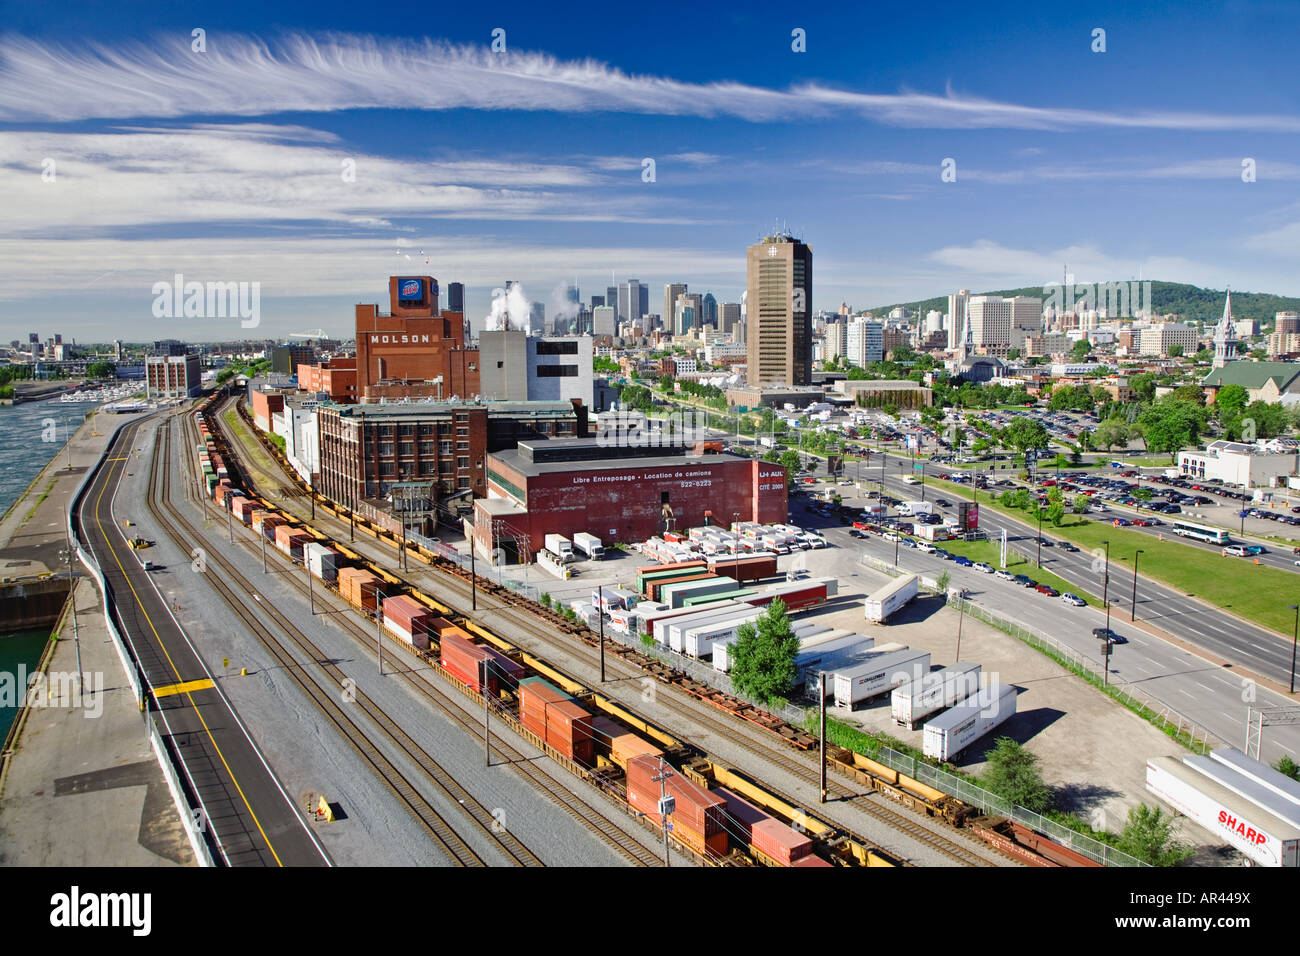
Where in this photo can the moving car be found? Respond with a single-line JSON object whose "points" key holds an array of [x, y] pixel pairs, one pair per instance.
{"points": [[1235, 551], [1073, 600], [1108, 635]]}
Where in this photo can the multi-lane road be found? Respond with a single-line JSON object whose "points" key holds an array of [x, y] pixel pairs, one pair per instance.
{"points": [[243, 811], [1214, 697]]}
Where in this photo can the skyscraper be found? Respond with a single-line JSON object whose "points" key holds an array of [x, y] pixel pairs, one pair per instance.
{"points": [[957, 318], [456, 297], [729, 317], [633, 301], [779, 321], [709, 310], [687, 303], [611, 299], [671, 291]]}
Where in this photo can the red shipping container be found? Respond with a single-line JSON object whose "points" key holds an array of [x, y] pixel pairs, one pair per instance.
{"points": [[696, 807], [811, 860], [269, 524], [466, 662], [763, 831], [406, 611], [511, 671], [555, 717]]}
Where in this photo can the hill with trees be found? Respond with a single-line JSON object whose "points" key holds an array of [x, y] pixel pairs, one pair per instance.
{"points": [[1187, 301]]}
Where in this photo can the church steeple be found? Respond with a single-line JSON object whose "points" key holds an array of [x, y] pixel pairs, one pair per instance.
{"points": [[1225, 335]]}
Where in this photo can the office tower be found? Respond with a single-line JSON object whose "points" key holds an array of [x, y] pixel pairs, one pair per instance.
{"points": [[611, 299], [836, 339], [864, 342], [597, 301], [671, 291], [537, 319], [729, 317], [603, 321], [957, 318], [456, 297], [779, 300], [643, 303], [1026, 318], [688, 303], [709, 311]]}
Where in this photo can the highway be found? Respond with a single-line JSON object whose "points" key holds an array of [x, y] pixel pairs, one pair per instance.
{"points": [[245, 813], [1210, 695]]}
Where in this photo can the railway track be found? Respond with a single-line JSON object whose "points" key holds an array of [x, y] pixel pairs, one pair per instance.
{"points": [[700, 714], [594, 818], [326, 698]]}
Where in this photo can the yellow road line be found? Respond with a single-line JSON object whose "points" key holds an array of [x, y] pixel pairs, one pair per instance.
{"points": [[207, 730], [184, 688]]}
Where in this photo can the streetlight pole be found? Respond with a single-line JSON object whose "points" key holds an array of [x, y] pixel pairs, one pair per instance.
{"points": [[961, 616], [1294, 639], [1105, 585], [1039, 560], [1133, 614], [600, 613]]}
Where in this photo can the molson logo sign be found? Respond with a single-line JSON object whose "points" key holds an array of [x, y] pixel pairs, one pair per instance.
{"points": [[410, 289]]}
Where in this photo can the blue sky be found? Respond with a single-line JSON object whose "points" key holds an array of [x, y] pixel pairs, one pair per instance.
{"points": [[226, 165]]}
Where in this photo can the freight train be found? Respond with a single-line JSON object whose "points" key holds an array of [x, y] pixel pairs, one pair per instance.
{"points": [[722, 817]]}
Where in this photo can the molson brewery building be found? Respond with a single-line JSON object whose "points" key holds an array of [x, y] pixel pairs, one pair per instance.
{"points": [[618, 492], [413, 351]]}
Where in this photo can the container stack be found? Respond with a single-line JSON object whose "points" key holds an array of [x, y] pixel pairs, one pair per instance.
{"points": [[268, 525], [291, 540], [321, 561], [243, 509], [358, 588], [466, 661], [555, 717], [764, 833], [619, 744], [407, 618], [699, 819]]}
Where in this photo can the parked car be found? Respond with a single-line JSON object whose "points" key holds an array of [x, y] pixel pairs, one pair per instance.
{"points": [[962, 561], [1025, 581], [1003, 575], [984, 568], [1046, 589], [1073, 600], [1121, 522]]}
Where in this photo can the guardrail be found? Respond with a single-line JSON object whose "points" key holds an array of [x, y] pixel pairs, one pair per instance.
{"points": [[134, 675]]}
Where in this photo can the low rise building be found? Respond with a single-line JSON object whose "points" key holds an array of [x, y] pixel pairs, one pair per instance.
{"points": [[173, 376], [1262, 464]]}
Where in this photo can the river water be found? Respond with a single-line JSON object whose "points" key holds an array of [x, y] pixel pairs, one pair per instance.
{"points": [[30, 435]]}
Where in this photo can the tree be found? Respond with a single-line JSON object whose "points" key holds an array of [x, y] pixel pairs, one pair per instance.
{"points": [[1172, 424], [1080, 504], [101, 370], [1144, 386], [1230, 401], [764, 654], [790, 459], [1149, 836], [1175, 351], [1025, 433], [1288, 768], [942, 582], [1081, 350], [1013, 774], [1110, 433], [1189, 393], [1013, 354]]}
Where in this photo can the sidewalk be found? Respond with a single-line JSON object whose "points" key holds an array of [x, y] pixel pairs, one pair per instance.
{"points": [[30, 547], [83, 786]]}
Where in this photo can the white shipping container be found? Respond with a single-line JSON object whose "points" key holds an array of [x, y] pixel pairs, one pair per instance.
{"points": [[676, 594], [879, 674], [888, 599], [1244, 786], [658, 622], [914, 701], [418, 639], [698, 641], [1262, 773], [1262, 837], [321, 561], [957, 728]]}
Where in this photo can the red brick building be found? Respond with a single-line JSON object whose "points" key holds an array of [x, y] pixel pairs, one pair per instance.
{"points": [[618, 494], [413, 344], [337, 378]]}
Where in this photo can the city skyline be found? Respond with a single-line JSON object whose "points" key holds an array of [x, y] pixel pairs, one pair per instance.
{"points": [[313, 156]]}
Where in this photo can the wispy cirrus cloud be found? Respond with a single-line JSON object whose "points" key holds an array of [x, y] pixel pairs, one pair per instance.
{"points": [[262, 176], [247, 76]]}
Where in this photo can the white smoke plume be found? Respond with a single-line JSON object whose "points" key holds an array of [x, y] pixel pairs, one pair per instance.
{"points": [[561, 307], [510, 310]]}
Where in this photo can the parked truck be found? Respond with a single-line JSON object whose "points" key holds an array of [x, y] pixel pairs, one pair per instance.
{"points": [[915, 508], [589, 545], [561, 547]]}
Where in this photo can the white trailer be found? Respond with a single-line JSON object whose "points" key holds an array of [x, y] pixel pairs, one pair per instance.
{"points": [[675, 629], [957, 728], [560, 546], [1260, 772], [698, 641], [914, 701], [1262, 837], [589, 545], [1248, 787], [915, 508], [888, 599], [837, 655], [878, 674]]}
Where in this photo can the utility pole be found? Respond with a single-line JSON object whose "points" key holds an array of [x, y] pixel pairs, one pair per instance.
{"points": [[1039, 561], [667, 804], [311, 595], [379, 629], [230, 521], [72, 593], [473, 577], [822, 698], [487, 733], [263, 547], [600, 613], [961, 616], [352, 518], [1133, 615]]}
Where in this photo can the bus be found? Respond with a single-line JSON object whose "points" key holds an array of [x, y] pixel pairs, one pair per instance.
{"points": [[1190, 529]]}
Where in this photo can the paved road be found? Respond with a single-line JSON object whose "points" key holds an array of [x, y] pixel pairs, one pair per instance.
{"points": [[1210, 695], [251, 820]]}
